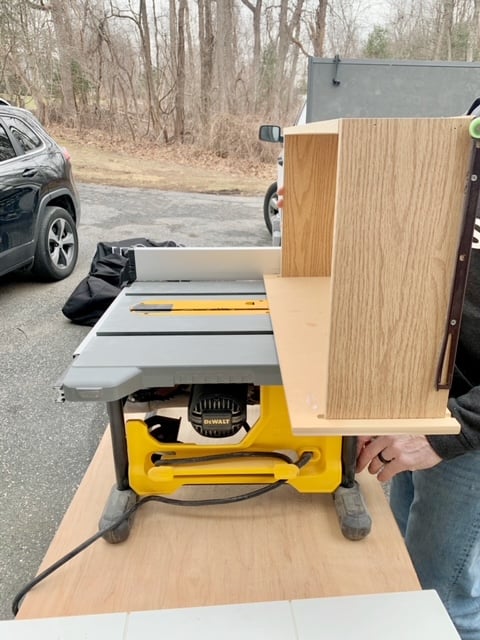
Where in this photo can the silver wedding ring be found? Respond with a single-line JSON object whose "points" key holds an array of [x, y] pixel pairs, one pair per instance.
{"points": [[382, 459]]}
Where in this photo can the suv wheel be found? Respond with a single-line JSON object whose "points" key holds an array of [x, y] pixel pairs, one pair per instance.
{"points": [[57, 246], [270, 205]]}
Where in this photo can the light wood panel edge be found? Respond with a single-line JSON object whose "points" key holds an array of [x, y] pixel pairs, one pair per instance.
{"points": [[312, 425], [323, 126], [300, 314]]}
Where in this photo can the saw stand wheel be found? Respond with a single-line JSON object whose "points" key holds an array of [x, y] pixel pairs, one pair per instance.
{"points": [[118, 503], [355, 521]]}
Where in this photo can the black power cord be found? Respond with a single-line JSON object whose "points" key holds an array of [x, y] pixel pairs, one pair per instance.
{"points": [[301, 462]]}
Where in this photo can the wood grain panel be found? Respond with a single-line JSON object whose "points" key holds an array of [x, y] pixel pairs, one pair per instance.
{"points": [[399, 210], [309, 205], [283, 545]]}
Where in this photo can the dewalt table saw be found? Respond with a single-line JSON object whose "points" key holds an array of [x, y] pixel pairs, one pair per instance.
{"points": [[199, 319]]}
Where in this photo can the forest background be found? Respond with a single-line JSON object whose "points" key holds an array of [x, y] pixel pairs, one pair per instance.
{"points": [[187, 82]]}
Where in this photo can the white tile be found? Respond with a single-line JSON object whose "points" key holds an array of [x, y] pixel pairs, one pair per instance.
{"points": [[255, 621], [98, 627], [414, 615]]}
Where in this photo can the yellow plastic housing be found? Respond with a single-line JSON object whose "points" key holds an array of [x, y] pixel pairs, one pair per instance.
{"points": [[270, 433]]}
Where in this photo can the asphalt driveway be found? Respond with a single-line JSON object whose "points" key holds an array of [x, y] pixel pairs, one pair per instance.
{"points": [[45, 447]]}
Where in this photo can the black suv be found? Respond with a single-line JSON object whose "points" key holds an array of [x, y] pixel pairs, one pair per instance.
{"points": [[39, 204]]}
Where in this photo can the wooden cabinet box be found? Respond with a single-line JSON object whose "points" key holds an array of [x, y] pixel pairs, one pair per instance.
{"points": [[372, 220]]}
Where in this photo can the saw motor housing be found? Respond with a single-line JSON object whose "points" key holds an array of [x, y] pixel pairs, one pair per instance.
{"points": [[218, 411]]}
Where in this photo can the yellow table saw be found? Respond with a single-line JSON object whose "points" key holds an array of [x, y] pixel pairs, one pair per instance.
{"points": [[190, 330]]}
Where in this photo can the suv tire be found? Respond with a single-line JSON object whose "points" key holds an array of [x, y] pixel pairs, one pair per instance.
{"points": [[270, 205], [57, 246]]}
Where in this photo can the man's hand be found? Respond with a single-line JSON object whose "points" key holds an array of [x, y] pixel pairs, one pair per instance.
{"points": [[399, 453]]}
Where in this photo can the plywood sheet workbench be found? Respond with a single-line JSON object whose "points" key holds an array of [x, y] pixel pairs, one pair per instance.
{"points": [[282, 545]]}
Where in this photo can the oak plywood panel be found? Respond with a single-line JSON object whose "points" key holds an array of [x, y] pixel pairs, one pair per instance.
{"points": [[399, 210], [283, 545], [309, 204]]}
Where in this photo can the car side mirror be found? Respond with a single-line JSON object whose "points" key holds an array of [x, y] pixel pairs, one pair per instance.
{"points": [[270, 133]]}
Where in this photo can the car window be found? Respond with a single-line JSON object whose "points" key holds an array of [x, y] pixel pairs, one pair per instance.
{"points": [[6, 149], [26, 137]]}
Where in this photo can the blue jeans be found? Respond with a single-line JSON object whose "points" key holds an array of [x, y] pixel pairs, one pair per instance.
{"points": [[438, 512]]}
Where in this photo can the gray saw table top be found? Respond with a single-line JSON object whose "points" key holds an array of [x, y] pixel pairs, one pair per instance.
{"points": [[127, 350]]}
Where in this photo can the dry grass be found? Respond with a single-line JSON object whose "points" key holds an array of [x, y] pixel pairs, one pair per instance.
{"points": [[98, 158]]}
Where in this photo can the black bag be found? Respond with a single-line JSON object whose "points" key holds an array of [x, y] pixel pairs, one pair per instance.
{"points": [[108, 274], [89, 300], [122, 246]]}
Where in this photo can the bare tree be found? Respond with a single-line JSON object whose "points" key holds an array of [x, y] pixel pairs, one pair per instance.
{"points": [[22, 69], [283, 28], [144, 29], [207, 46], [283, 41], [256, 10], [64, 37], [225, 63], [443, 47], [317, 28], [133, 67], [346, 17], [474, 35], [173, 30], [180, 89]]}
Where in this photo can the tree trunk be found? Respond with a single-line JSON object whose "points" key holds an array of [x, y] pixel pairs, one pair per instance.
{"points": [[180, 92], [147, 58], [207, 48], [256, 10], [225, 55], [173, 29], [474, 33], [443, 47], [286, 35], [63, 34], [319, 28], [294, 29]]}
